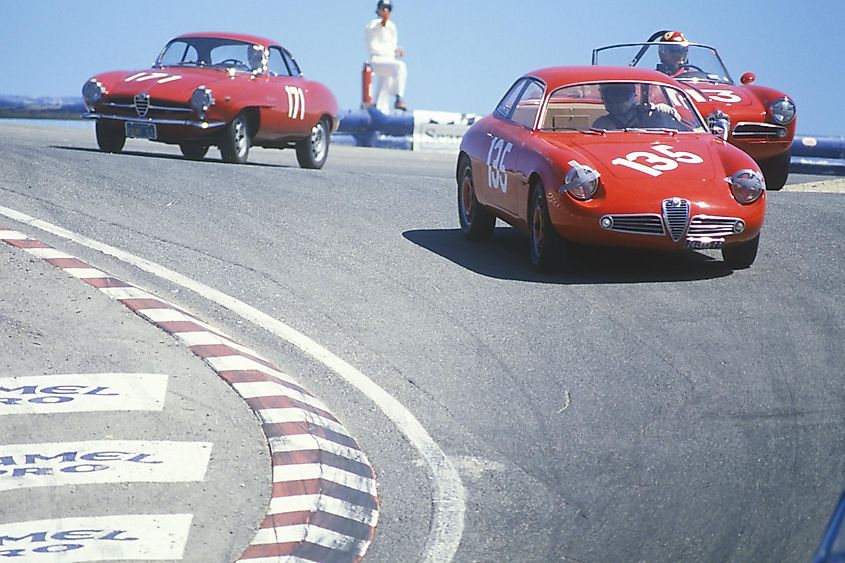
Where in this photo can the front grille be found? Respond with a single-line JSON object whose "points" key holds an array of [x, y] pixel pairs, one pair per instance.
{"points": [[129, 107], [746, 130], [142, 104], [645, 224], [676, 214], [709, 226]]}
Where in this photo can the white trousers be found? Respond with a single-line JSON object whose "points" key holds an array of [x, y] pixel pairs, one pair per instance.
{"points": [[392, 74]]}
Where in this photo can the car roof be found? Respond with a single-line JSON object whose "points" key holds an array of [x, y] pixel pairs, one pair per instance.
{"points": [[557, 76], [237, 36]]}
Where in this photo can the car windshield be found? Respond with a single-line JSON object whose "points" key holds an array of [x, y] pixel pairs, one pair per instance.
{"points": [[702, 63], [213, 52], [620, 106]]}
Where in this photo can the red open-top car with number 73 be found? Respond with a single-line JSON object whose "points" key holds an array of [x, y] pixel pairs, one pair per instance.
{"points": [[608, 156], [230, 90]]}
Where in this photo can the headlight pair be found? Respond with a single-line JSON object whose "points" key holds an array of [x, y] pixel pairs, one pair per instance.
{"points": [[581, 182], [783, 111], [201, 100], [92, 91], [746, 185]]}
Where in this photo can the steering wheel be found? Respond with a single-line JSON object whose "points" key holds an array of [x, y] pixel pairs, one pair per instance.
{"points": [[698, 68], [233, 61]]}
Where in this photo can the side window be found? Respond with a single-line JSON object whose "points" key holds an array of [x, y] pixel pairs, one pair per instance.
{"points": [[507, 104], [294, 68], [528, 105], [276, 63]]}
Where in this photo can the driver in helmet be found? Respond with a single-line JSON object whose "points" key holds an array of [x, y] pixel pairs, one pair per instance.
{"points": [[625, 111], [673, 52], [256, 58]]}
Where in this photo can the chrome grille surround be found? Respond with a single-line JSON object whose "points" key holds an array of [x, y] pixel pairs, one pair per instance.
{"points": [[635, 223], [751, 130], [142, 103], [711, 226], [676, 215]]}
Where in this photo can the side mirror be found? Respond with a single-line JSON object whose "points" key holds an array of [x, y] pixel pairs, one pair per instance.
{"points": [[719, 124], [748, 78]]}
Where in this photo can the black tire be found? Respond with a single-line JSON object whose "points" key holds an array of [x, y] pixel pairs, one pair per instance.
{"points": [[111, 137], [742, 255], [193, 150], [776, 171], [544, 243], [312, 151], [476, 221], [235, 141]]}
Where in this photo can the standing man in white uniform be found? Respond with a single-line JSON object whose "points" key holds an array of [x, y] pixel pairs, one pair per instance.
{"points": [[383, 46]]}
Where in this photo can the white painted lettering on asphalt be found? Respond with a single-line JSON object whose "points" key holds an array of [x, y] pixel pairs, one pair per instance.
{"points": [[24, 466], [148, 537], [84, 392]]}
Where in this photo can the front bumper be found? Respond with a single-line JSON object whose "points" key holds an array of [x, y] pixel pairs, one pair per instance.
{"points": [[158, 121]]}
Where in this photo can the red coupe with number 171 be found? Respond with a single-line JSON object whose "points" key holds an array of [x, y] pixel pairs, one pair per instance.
{"points": [[608, 156], [230, 90]]}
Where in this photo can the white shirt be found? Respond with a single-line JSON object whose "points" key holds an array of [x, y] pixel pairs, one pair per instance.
{"points": [[382, 41]]}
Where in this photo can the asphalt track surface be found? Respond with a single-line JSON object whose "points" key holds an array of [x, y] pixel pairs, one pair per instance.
{"points": [[638, 407]]}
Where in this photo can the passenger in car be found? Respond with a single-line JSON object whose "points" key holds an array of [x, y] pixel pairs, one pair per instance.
{"points": [[623, 110]]}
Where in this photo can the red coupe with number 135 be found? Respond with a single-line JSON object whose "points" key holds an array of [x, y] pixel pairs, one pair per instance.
{"points": [[608, 156]]}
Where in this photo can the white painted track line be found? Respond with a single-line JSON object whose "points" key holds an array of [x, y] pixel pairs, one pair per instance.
{"points": [[448, 496]]}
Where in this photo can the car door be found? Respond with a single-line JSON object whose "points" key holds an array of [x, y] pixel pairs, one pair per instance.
{"points": [[291, 94], [500, 174]]}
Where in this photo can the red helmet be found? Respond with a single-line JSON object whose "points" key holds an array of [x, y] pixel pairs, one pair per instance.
{"points": [[673, 50]]}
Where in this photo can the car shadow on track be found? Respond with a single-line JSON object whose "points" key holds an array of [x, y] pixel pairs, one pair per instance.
{"points": [[168, 156], [505, 256]]}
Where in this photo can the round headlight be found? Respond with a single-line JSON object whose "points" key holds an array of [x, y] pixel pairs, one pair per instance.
{"points": [[783, 110], [92, 91], [746, 186], [201, 100], [581, 181]]}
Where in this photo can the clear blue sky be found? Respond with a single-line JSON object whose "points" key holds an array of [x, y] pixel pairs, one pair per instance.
{"points": [[461, 55]]}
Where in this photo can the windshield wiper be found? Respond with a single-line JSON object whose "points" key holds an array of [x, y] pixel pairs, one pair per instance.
{"points": [[650, 130]]}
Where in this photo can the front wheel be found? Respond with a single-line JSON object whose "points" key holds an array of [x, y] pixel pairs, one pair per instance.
{"points": [[776, 170], [312, 151], [476, 222], [742, 255], [110, 136], [193, 150], [235, 142], [545, 244]]}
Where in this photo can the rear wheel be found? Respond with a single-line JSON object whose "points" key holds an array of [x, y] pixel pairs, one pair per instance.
{"points": [[312, 151], [193, 150], [110, 136], [776, 170], [545, 244], [476, 222], [742, 255], [235, 142]]}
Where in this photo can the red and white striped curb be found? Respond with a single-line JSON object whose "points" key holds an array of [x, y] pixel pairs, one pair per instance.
{"points": [[323, 504]]}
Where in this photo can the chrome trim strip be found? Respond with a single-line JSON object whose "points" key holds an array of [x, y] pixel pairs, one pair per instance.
{"points": [[711, 226], [197, 124], [766, 130], [149, 108]]}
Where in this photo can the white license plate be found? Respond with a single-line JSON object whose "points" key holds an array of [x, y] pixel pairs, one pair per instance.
{"points": [[140, 130]]}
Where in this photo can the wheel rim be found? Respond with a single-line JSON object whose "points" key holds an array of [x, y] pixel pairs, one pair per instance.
{"points": [[318, 141], [537, 224], [241, 139], [467, 198]]}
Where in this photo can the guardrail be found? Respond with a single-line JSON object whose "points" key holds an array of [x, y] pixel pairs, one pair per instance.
{"points": [[425, 130]]}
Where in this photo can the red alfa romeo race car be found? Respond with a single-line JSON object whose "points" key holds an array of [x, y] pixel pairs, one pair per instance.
{"points": [[608, 156], [229, 90], [757, 119]]}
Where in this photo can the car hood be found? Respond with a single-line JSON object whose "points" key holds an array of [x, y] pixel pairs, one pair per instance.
{"points": [[721, 95], [653, 166], [165, 83]]}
